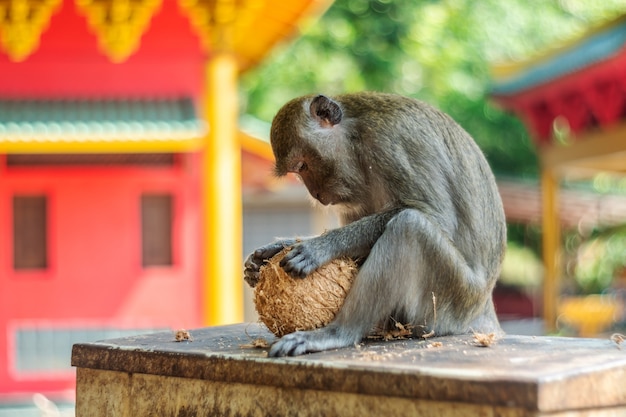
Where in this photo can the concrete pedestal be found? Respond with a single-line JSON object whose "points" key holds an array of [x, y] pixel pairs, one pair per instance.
{"points": [[216, 374]]}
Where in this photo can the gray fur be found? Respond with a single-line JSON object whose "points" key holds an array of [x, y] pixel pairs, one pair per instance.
{"points": [[420, 210]]}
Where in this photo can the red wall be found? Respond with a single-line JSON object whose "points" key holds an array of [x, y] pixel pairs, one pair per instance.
{"points": [[95, 276], [69, 63]]}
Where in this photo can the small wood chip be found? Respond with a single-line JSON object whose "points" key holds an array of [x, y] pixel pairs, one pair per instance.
{"points": [[432, 332], [484, 340], [618, 338], [259, 343], [182, 335], [429, 334], [401, 331]]}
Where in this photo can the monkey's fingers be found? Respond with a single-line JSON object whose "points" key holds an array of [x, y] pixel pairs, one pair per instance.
{"points": [[251, 278], [251, 270], [297, 264], [253, 263], [266, 252]]}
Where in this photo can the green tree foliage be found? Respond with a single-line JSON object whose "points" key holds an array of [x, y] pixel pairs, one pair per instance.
{"points": [[437, 51], [599, 259], [441, 51]]}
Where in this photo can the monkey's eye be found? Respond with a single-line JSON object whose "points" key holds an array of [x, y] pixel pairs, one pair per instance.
{"points": [[300, 166]]}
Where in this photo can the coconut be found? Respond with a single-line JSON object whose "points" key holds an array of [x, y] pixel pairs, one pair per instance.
{"points": [[287, 304]]}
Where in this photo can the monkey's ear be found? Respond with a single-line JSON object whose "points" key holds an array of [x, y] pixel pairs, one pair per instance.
{"points": [[326, 111]]}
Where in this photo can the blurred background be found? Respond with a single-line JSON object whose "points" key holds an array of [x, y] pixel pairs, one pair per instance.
{"points": [[135, 168]]}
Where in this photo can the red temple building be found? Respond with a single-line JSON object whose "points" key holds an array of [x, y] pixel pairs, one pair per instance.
{"points": [[573, 101], [121, 170]]}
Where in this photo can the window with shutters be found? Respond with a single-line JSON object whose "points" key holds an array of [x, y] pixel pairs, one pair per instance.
{"points": [[30, 232], [156, 229]]}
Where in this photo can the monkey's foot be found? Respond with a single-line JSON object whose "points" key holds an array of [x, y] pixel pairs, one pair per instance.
{"points": [[318, 340]]}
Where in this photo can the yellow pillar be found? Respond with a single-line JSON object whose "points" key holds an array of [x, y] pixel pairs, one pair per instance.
{"points": [[223, 281], [551, 236]]}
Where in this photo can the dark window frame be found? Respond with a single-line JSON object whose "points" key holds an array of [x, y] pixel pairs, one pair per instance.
{"points": [[157, 229], [92, 160], [31, 241]]}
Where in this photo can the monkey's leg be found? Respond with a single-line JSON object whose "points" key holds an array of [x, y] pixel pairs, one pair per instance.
{"points": [[411, 260]]}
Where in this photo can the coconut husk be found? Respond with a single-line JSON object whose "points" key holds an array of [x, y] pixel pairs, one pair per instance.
{"points": [[287, 304]]}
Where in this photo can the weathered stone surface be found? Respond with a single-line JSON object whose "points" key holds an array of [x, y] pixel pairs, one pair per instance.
{"points": [[215, 375]]}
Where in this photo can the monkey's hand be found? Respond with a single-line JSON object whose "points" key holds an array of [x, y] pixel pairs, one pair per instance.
{"points": [[256, 259], [305, 257], [298, 343]]}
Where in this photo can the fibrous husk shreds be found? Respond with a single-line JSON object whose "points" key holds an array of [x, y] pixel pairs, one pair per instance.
{"points": [[287, 304]]}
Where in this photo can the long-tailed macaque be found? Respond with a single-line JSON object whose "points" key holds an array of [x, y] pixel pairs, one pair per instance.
{"points": [[419, 209]]}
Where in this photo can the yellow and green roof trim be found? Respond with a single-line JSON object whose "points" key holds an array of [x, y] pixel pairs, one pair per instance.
{"points": [[597, 45]]}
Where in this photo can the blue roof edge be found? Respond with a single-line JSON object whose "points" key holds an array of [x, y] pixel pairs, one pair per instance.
{"points": [[596, 48]]}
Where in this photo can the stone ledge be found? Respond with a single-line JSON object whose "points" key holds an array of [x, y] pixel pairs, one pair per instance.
{"points": [[529, 374]]}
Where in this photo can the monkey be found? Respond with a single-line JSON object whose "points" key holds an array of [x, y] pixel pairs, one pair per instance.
{"points": [[419, 210]]}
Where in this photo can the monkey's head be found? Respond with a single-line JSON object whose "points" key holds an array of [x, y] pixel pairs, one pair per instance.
{"points": [[309, 138]]}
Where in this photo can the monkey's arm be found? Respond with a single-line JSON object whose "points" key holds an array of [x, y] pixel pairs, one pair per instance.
{"points": [[354, 240], [257, 258]]}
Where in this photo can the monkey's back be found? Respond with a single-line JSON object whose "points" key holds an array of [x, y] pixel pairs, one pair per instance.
{"points": [[434, 165]]}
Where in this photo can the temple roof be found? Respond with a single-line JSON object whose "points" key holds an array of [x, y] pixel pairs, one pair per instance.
{"points": [[575, 88], [595, 46], [572, 99], [64, 89], [159, 49], [115, 125], [112, 125]]}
